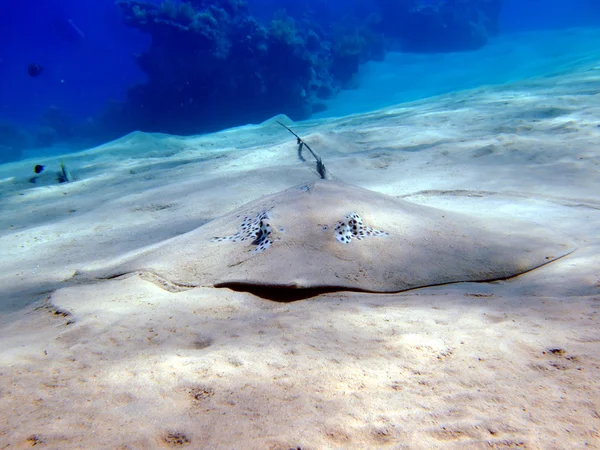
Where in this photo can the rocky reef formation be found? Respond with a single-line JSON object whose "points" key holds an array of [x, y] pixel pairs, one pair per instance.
{"points": [[212, 65], [439, 25]]}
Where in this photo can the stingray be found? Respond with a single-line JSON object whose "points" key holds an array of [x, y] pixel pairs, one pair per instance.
{"points": [[330, 236]]}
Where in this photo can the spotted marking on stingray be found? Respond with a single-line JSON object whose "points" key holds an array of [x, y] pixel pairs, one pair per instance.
{"points": [[256, 229], [352, 227]]}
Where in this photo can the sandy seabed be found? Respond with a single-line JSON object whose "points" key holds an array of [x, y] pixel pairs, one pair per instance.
{"points": [[132, 363]]}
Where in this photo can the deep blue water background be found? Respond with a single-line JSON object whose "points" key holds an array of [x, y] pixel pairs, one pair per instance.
{"points": [[82, 74]]}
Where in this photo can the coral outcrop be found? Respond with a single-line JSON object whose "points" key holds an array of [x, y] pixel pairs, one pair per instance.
{"points": [[212, 64]]}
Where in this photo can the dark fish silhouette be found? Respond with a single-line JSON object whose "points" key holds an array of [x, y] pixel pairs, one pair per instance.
{"points": [[39, 168], [34, 70]]}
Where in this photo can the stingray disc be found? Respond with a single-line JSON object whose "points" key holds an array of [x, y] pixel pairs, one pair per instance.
{"points": [[333, 236]]}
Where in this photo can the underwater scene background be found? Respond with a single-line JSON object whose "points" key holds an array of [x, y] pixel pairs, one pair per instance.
{"points": [[75, 74], [277, 224]]}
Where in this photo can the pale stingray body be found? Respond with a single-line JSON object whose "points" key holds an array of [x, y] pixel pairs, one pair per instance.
{"points": [[329, 235]]}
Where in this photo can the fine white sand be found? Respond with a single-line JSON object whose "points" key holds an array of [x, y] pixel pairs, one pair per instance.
{"points": [[133, 363]]}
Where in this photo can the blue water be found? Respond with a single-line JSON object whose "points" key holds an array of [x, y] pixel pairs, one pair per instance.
{"points": [[318, 59]]}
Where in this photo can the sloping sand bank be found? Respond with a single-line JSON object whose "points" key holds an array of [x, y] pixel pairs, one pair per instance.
{"points": [[129, 363]]}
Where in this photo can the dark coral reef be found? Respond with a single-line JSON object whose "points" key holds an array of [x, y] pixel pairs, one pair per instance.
{"points": [[440, 25], [214, 64]]}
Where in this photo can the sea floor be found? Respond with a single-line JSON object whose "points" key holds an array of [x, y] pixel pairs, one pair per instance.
{"points": [[129, 363]]}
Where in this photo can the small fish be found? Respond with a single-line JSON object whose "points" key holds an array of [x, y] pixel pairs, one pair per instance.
{"points": [[34, 69], [39, 168]]}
